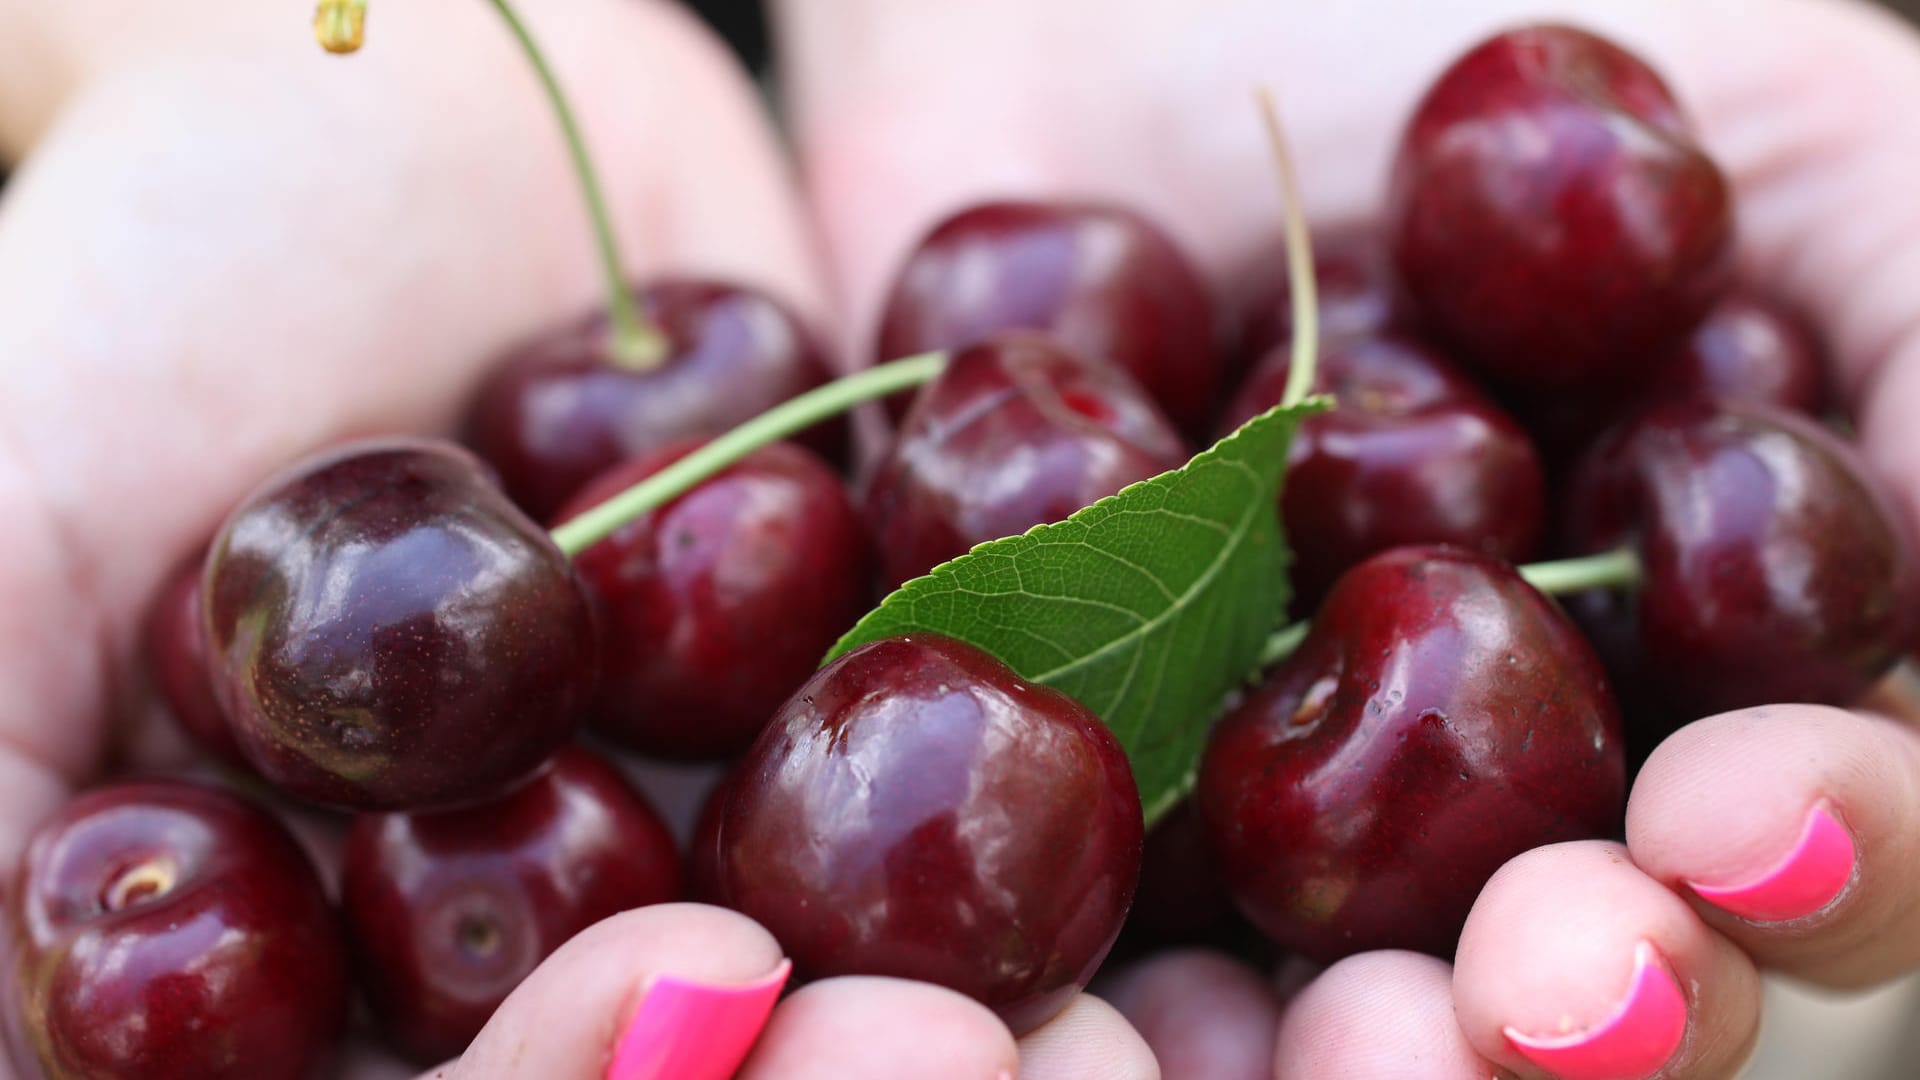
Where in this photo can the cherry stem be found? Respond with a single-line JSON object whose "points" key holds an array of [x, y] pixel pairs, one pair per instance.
{"points": [[1617, 569], [637, 345], [794, 415], [340, 25], [1306, 311]]}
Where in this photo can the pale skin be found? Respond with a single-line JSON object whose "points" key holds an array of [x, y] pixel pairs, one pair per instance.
{"points": [[226, 248]]}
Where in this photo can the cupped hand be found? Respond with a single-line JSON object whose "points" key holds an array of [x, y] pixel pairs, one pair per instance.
{"points": [[221, 249], [905, 112]]}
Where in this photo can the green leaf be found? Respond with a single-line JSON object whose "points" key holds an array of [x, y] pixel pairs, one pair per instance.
{"points": [[1149, 606]]}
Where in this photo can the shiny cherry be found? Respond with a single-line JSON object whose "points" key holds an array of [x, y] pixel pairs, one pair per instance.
{"points": [[1413, 452], [387, 631], [1353, 284], [1104, 281], [1774, 566], [172, 930], [175, 644], [717, 605], [1551, 214], [1440, 718], [1015, 432], [448, 911], [1748, 349], [920, 811], [561, 409]]}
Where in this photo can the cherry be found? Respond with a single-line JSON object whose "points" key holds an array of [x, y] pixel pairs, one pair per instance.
{"points": [[177, 660], [1748, 349], [1439, 718], [450, 910], [1353, 286], [1104, 281], [168, 929], [1774, 567], [715, 606], [1551, 214], [560, 409], [386, 630], [1413, 452], [918, 810], [1015, 432]]}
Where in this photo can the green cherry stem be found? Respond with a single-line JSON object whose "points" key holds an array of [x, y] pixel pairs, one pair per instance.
{"points": [[787, 418], [1306, 330], [637, 345], [1617, 569]]}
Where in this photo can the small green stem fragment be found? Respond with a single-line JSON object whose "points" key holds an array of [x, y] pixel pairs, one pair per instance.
{"points": [[637, 345], [776, 423], [1306, 304], [1618, 569], [340, 25]]}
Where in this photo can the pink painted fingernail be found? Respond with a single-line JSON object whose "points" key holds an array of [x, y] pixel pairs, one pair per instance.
{"points": [[1807, 878], [1640, 1036], [686, 1030]]}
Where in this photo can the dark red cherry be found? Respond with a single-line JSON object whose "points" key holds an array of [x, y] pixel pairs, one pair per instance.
{"points": [[1353, 284], [1103, 281], [1748, 349], [1775, 567], [1440, 718], [387, 631], [920, 811], [176, 651], [172, 930], [1551, 214], [1015, 432], [450, 910], [717, 605], [560, 409], [1413, 452]]}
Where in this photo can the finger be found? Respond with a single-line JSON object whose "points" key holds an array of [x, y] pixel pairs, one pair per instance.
{"points": [[1377, 1015], [881, 1029], [1575, 963], [346, 246], [676, 991], [1795, 830], [1205, 1016], [1087, 1040]]}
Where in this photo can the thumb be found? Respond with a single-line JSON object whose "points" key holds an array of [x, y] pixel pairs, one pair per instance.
{"points": [[675, 991]]}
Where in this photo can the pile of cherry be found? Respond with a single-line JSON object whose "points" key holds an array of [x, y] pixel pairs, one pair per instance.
{"points": [[385, 629]]}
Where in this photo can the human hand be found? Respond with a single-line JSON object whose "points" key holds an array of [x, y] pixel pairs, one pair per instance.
{"points": [[224, 249], [904, 112]]}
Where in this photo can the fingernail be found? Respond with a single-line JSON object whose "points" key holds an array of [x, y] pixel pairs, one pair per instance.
{"points": [[1634, 1042], [1809, 877], [686, 1030]]}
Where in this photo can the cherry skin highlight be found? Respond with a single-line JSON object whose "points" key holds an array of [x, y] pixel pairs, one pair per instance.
{"points": [[1103, 281], [717, 605], [1015, 432], [386, 631], [918, 810], [450, 910], [559, 410], [1440, 718], [1551, 215], [1775, 567], [176, 649], [173, 930], [1412, 452]]}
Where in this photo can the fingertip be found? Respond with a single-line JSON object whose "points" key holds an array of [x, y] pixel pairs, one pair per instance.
{"points": [[875, 1028], [1088, 1040], [1380, 1014]]}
